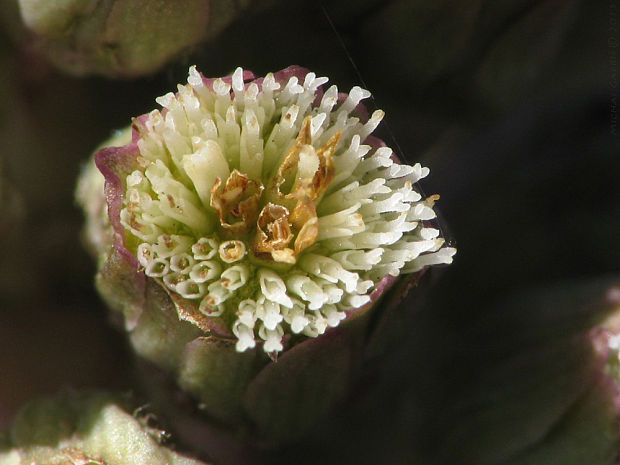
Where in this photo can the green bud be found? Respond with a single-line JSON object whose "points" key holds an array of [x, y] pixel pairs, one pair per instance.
{"points": [[85, 428], [122, 38]]}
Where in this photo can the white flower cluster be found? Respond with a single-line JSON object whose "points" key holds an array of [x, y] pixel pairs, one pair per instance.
{"points": [[363, 222]]}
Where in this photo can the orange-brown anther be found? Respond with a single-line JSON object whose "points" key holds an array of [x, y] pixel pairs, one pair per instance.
{"points": [[303, 194], [273, 234], [289, 165], [232, 251], [431, 199], [236, 203], [311, 187], [134, 223], [326, 171], [273, 223], [303, 212], [307, 235]]}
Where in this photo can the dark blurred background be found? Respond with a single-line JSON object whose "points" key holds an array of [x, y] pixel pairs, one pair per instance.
{"points": [[511, 103]]}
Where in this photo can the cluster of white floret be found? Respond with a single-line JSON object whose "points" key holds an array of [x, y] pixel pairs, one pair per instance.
{"points": [[369, 217]]}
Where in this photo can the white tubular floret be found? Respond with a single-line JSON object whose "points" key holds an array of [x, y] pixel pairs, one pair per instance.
{"points": [[328, 269], [170, 245], [190, 289], [205, 248], [291, 89], [204, 166], [422, 212], [272, 338], [268, 312], [441, 257], [176, 200], [393, 203], [356, 95], [157, 268], [296, 316], [406, 189], [364, 286], [397, 225], [358, 260], [355, 301], [251, 146], [218, 292], [354, 193], [210, 310], [235, 277], [182, 263], [273, 288], [232, 251], [246, 313], [372, 124], [145, 254], [347, 162], [341, 224], [204, 271], [429, 233], [142, 229], [372, 163], [317, 326], [245, 337], [329, 99], [334, 292], [316, 123], [171, 280], [414, 248], [308, 290], [332, 315]]}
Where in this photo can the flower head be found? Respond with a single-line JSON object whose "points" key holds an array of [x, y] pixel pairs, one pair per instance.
{"points": [[265, 208]]}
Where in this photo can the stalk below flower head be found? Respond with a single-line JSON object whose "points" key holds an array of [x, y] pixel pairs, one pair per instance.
{"points": [[266, 209]]}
